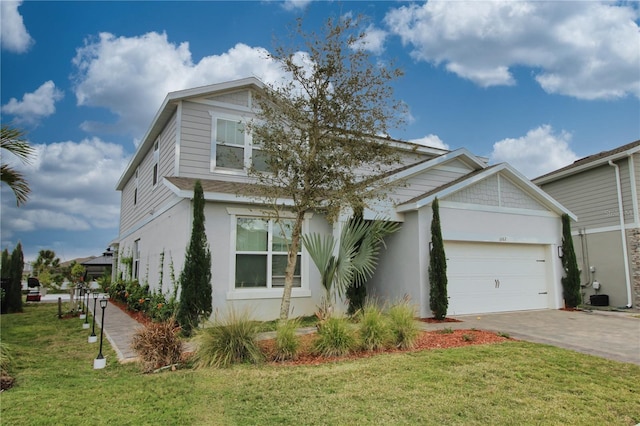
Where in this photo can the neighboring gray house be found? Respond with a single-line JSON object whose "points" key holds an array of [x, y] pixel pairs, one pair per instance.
{"points": [[602, 190], [501, 232]]}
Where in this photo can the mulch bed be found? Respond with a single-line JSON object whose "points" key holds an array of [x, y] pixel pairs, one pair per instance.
{"points": [[138, 316], [427, 340], [438, 321]]}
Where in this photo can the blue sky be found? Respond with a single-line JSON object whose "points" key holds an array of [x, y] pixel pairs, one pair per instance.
{"points": [[536, 84]]}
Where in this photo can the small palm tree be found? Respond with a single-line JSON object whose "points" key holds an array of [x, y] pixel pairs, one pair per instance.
{"points": [[357, 256], [14, 142]]}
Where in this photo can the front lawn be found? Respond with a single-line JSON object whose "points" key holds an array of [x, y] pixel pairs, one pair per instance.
{"points": [[508, 383]]}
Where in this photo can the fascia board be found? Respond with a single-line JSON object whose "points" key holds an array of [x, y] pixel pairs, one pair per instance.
{"points": [[221, 196], [536, 192], [586, 166]]}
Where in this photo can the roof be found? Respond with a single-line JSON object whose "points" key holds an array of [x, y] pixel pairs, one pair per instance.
{"points": [[589, 162]]}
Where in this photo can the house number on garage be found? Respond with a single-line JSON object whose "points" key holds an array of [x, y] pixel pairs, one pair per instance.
{"points": [[502, 239]]}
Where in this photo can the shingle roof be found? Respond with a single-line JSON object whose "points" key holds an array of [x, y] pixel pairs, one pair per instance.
{"points": [[591, 159]]}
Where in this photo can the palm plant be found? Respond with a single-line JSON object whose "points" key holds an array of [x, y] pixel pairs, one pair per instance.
{"points": [[12, 140], [356, 258]]}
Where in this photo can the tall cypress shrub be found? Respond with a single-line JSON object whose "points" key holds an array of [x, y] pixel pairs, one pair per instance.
{"points": [[438, 300], [571, 279], [5, 272], [195, 279], [14, 293]]}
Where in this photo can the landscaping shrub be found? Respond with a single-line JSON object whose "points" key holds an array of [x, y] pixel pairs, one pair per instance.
{"points": [[158, 345], [159, 308], [403, 326], [287, 343], [336, 337], [375, 333], [230, 340], [6, 359], [136, 296]]}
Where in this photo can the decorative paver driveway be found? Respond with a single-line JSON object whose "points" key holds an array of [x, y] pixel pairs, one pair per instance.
{"points": [[611, 335]]}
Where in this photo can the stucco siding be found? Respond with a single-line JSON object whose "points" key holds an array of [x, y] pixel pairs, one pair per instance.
{"points": [[399, 270], [603, 252]]}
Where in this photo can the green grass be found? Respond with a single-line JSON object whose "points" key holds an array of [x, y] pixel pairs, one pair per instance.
{"points": [[510, 383]]}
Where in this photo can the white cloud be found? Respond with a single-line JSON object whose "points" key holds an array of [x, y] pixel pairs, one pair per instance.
{"points": [[130, 76], [72, 188], [373, 40], [14, 35], [295, 5], [433, 141], [538, 152], [36, 105], [587, 50]]}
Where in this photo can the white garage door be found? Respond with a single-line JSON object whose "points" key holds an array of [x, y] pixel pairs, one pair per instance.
{"points": [[486, 277]]}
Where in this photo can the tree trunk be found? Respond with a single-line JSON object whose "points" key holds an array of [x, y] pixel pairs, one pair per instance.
{"points": [[292, 259]]}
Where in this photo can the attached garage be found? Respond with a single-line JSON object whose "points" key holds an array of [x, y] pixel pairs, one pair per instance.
{"points": [[497, 277], [501, 235]]}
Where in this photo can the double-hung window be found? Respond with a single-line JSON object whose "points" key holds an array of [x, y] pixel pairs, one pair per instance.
{"points": [[232, 147], [156, 159], [261, 246], [229, 144]]}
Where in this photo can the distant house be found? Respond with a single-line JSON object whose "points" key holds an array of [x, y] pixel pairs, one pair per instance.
{"points": [[501, 232], [602, 190], [97, 267]]}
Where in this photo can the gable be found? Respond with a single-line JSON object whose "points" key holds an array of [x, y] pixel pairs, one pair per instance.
{"points": [[239, 98], [497, 191]]}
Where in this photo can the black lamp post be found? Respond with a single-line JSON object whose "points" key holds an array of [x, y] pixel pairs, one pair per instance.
{"points": [[100, 361], [93, 338], [85, 324], [80, 297]]}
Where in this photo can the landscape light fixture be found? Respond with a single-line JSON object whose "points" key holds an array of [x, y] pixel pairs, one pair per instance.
{"points": [[85, 324], [78, 299], [92, 337], [100, 361]]}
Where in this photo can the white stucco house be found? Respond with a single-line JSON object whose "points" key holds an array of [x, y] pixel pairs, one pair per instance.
{"points": [[501, 232]]}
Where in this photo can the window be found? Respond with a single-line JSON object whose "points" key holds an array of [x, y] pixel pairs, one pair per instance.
{"points": [[135, 189], [232, 148], [156, 158], [229, 144], [261, 253], [136, 259]]}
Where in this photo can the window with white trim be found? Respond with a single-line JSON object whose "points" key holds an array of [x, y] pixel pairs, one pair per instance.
{"points": [[230, 143], [261, 253], [156, 159], [135, 189], [136, 259], [232, 147]]}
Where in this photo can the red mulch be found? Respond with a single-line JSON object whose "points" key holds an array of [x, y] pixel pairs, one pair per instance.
{"points": [[426, 341], [138, 316], [437, 321]]}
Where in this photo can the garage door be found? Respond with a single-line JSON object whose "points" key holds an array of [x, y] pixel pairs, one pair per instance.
{"points": [[485, 277]]}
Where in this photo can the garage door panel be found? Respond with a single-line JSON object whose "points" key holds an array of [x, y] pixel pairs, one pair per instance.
{"points": [[485, 277]]}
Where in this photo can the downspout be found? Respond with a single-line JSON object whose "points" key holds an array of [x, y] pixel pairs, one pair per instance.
{"points": [[623, 234]]}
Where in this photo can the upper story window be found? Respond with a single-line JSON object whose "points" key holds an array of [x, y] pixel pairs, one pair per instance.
{"points": [[135, 189], [156, 160], [232, 147]]}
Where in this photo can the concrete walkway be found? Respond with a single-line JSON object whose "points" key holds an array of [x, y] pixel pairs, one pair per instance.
{"points": [[611, 335], [119, 327]]}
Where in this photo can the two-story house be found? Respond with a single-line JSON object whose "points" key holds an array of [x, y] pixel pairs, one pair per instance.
{"points": [[602, 190], [501, 232]]}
